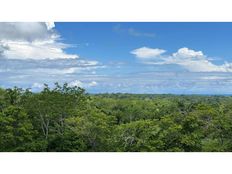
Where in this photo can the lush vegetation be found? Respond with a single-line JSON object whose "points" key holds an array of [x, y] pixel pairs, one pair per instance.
{"points": [[67, 119]]}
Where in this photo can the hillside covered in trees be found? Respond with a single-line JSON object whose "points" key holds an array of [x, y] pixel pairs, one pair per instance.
{"points": [[67, 119]]}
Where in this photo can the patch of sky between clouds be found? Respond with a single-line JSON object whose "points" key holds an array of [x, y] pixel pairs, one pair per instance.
{"points": [[132, 31]]}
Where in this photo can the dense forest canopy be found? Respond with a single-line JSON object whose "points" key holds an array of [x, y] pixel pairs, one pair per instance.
{"points": [[67, 119]]}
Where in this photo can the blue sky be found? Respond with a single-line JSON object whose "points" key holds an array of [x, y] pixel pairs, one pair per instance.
{"points": [[179, 58]]}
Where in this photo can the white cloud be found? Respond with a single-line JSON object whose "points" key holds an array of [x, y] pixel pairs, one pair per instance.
{"points": [[54, 71], [194, 61], [188, 53], [93, 83], [214, 78], [146, 52], [88, 63], [35, 50], [27, 31], [31, 40], [48, 68], [37, 85], [50, 25], [76, 83], [79, 83]]}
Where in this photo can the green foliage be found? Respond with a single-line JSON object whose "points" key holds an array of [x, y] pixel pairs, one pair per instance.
{"points": [[16, 130], [92, 128], [137, 136], [66, 119]]}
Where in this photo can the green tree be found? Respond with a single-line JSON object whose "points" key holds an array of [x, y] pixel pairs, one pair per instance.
{"points": [[137, 136], [91, 127], [16, 130]]}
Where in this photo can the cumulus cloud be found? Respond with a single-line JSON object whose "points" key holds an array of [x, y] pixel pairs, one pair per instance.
{"points": [[27, 31], [188, 53], [35, 50], [146, 52], [194, 61], [31, 40]]}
